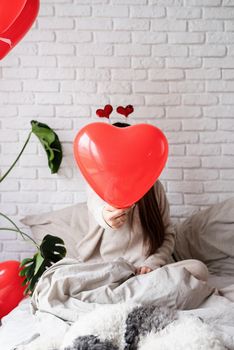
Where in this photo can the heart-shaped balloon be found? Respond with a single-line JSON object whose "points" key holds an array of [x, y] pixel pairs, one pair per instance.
{"points": [[120, 164], [19, 27], [11, 288], [104, 113], [9, 11]]}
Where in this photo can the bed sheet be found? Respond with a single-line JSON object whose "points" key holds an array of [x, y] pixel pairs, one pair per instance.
{"points": [[17, 325], [20, 323]]}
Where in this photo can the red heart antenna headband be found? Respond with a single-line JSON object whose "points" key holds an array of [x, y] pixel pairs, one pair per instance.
{"points": [[105, 113]]}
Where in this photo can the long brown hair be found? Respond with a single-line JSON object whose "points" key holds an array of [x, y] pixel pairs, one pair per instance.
{"points": [[150, 216], [151, 221]]}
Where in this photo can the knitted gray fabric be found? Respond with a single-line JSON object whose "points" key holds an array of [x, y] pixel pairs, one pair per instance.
{"points": [[90, 342], [145, 319]]}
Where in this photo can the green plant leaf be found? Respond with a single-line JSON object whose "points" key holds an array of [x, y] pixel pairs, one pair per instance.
{"points": [[50, 141], [51, 250]]}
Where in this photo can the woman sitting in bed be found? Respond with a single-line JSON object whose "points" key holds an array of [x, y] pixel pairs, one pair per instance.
{"points": [[142, 234]]}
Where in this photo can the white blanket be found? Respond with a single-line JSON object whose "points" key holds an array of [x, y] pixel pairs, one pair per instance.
{"points": [[69, 290]]}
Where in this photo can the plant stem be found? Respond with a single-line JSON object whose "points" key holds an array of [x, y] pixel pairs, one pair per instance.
{"points": [[17, 230], [5, 175]]}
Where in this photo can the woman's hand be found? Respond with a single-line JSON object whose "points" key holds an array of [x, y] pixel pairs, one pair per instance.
{"points": [[115, 218], [143, 270]]}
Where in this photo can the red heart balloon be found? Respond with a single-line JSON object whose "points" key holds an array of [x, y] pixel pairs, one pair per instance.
{"points": [[11, 289], [9, 11], [120, 164], [19, 27], [105, 113]]}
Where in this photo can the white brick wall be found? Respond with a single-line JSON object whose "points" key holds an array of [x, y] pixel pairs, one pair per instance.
{"points": [[172, 59]]}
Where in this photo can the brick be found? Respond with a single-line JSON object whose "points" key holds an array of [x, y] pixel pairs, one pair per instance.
{"points": [[209, 51], [67, 36], [38, 185], [226, 174], [54, 198], [182, 137], [79, 86], [110, 11], [54, 73], [184, 112], [219, 111], [112, 62], [22, 73], [40, 85], [114, 87], [125, 74], [220, 37], [227, 99], [56, 23], [20, 198], [131, 24], [200, 99], [200, 174], [186, 38], [93, 24], [199, 124], [166, 74], [7, 111], [203, 150], [187, 87], [73, 10], [203, 26], [184, 13], [171, 174], [112, 37], [201, 199], [148, 11], [72, 111], [183, 62], [185, 187], [217, 162], [147, 62], [166, 2], [228, 2], [81, 62], [53, 98], [150, 87], [220, 86], [219, 186], [170, 50], [217, 137], [47, 49], [94, 49], [203, 3], [203, 74], [226, 124], [132, 50], [163, 100], [217, 12], [167, 125], [166, 25], [149, 37]]}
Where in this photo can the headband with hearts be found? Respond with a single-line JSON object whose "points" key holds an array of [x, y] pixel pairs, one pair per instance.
{"points": [[105, 113]]}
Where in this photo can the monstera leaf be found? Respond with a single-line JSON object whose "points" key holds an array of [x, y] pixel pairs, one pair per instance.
{"points": [[51, 250], [50, 141]]}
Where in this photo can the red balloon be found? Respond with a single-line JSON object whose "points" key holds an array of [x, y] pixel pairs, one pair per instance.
{"points": [[19, 27], [9, 11], [120, 164], [11, 289]]}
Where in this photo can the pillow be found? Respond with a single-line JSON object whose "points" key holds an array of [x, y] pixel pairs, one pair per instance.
{"points": [[70, 224], [208, 236]]}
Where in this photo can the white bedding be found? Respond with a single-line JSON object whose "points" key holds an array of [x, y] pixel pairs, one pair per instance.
{"points": [[20, 324]]}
